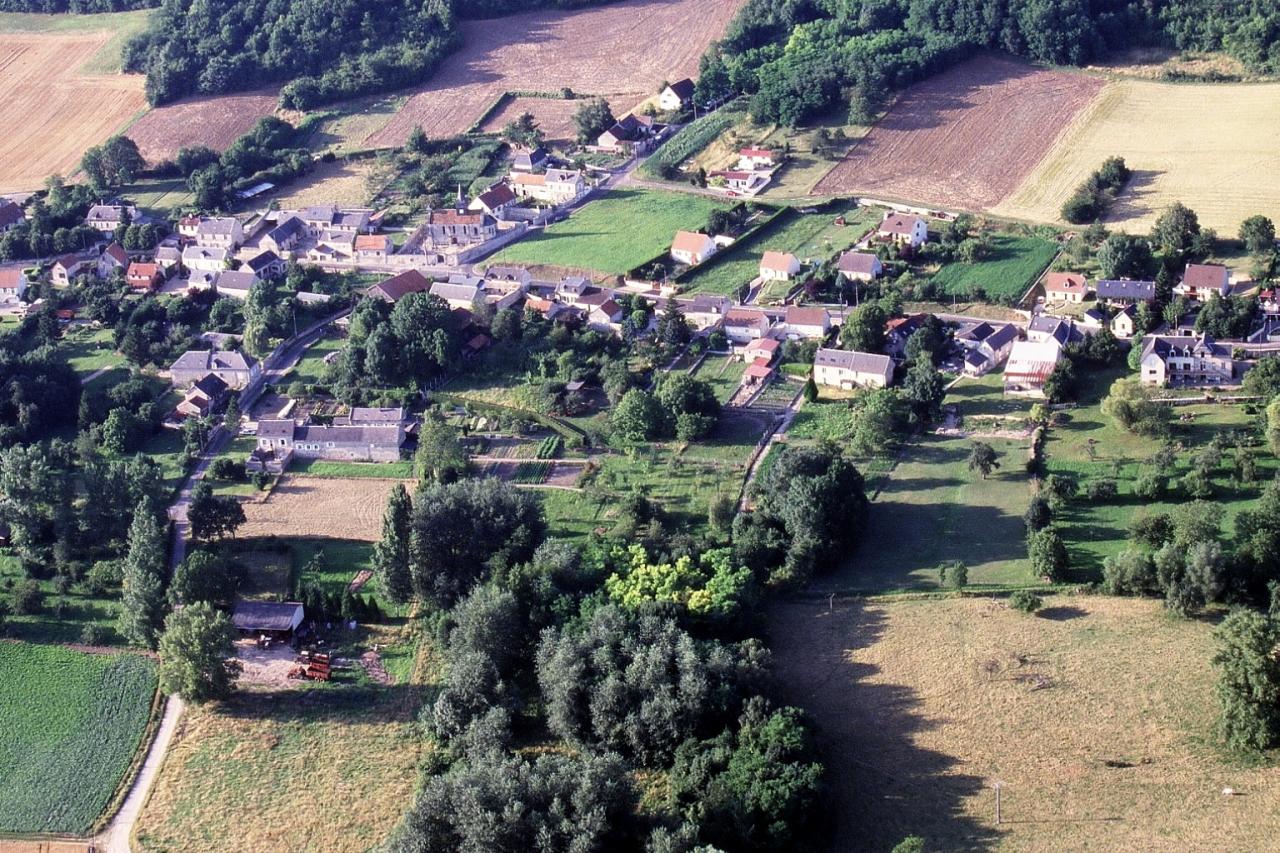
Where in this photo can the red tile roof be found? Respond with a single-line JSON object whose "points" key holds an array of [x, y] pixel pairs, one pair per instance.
{"points": [[1065, 282], [401, 285]]}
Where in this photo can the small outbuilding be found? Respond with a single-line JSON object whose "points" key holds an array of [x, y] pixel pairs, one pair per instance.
{"points": [[272, 618]]}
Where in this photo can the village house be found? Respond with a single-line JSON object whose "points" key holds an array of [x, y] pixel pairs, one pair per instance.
{"points": [[500, 293], [364, 442], [743, 325], [285, 237], [629, 135], [108, 217], [859, 266], [847, 369], [235, 368], [546, 307], [265, 265], [692, 247], [143, 277], [371, 415], [494, 201], [986, 345], [677, 95], [778, 266], [168, 258], [220, 232], [571, 288], [1030, 364], [530, 159], [1091, 321], [114, 258], [898, 330], [202, 259], [603, 315], [1200, 281], [761, 348], [706, 310], [13, 284], [459, 228], [372, 248], [1179, 362], [806, 322], [1044, 327], [515, 275], [321, 218], [234, 283], [202, 398], [904, 229], [10, 215], [751, 159], [1124, 291], [555, 186], [66, 268], [189, 226], [1124, 323], [333, 247], [738, 181], [1065, 287]]}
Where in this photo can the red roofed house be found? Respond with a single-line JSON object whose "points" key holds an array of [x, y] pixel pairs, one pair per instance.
{"points": [[758, 372], [604, 315], [494, 201], [761, 348], [372, 247], [1065, 287], [112, 259], [10, 215], [399, 286], [189, 226], [13, 283], [859, 266], [690, 247], [904, 228], [743, 325], [750, 159], [778, 266], [144, 276], [1201, 280], [67, 267]]}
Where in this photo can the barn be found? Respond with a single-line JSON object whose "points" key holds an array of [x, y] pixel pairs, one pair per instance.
{"points": [[272, 618]]}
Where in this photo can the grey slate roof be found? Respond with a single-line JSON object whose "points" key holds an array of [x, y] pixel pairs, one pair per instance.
{"points": [[1124, 289], [859, 362], [276, 428], [235, 280], [265, 615], [388, 435], [199, 359]]}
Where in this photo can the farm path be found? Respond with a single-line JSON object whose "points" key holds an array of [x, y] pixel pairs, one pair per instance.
{"points": [[762, 450], [115, 838]]}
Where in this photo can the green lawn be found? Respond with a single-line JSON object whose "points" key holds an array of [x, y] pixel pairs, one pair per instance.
{"points": [[620, 231], [724, 373], [70, 724], [166, 448], [401, 470], [311, 368], [1010, 268], [1094, 530], [88, 351], [161, 196], [78, 610], [812, 238], [122, 25]]}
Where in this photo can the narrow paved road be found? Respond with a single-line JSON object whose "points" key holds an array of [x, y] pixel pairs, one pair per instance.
{"points": [[115, 837]]}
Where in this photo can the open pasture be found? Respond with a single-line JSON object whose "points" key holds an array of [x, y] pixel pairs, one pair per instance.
{"points": [[212, 120], [1096, 716], [624, 49], [51, 110], [70, 724], [965, 138], [321, 508], [1012, 266], [1210, 146]]}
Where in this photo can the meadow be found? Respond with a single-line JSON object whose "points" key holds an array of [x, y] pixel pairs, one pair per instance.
{"points": [[1012, 265], [613, 234], [1208, 145], [1096, 716], [70, 724]]}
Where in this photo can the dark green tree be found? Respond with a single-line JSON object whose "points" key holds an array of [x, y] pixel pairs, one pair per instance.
{"points": [[194, 652], [391, 553], [142, 604], [1248, 680]]}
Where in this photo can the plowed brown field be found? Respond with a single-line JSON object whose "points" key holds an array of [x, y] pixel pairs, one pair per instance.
{"points": [[214, 120], [626, 48], [965, 138], [319, 507], [50, 113]]}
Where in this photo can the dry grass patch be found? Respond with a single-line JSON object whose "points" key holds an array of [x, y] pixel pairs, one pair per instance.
{"points": [[964, 138], [212, 120], [50, 111], [626, 48], [321, 508], [340, 182], [554, 116], [1210, 146], [1097, 716]]}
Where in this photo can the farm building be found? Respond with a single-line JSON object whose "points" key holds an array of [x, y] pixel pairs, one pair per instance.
{"points": [[677, 95], [692, 247], [234, 368], [904, 228], [847, 369], [1065, 287], [1200, 281], [859, 266], [778, 266], [272, 618], [1029, 367]]}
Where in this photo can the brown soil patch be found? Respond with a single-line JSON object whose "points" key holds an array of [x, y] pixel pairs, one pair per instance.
{"points": [[965, 138], [1096, 715], [212, 120], [49, 112], [322, 508], [626, 48], [554, 117]]}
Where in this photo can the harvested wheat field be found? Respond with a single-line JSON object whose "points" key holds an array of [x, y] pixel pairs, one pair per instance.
{"points": [[1211, 146], [50, 111], [212, 120], [1096, 715], [321, 508], [965, 138], [340, 182], [626, 48], [554, 116]]}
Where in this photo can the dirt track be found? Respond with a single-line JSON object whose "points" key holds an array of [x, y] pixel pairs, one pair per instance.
{"points": [[965, 138]]}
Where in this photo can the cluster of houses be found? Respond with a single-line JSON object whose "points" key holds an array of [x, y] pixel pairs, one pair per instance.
{"points": [[753, 172], [363, 435]]}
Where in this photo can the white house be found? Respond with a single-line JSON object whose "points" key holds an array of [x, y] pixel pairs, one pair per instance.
{"points": [[113, 258], [220, 232], [13, 284], [848, 369], [905, 229], [692, 247], [1200, 281], [751, 159], [676, 96], [778, 266], [743, 325], [10, 215], [706, 310], [1175, 361], [66, 268], [108, 217], [859, 266], [806, 322], [554, 186], [495, 201], [202, 259], [986, 345]]}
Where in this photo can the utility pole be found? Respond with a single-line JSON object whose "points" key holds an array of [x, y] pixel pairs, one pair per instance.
{"points": [[997, 787]]}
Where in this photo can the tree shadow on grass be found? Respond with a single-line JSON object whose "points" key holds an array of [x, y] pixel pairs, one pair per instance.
{"points": [[884, 786], [1061, 613]]}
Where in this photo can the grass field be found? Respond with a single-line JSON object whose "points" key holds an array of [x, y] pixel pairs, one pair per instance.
{"points": [[70, 724], [89, 351], [341, 182], [620, 231], [163, 197], [813, 238], [723, 372], [1014, 263], [311, 367], [401, 470], [923, 705], [320, 507], [1209, 146], [79, 609], [1094, 530]]}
